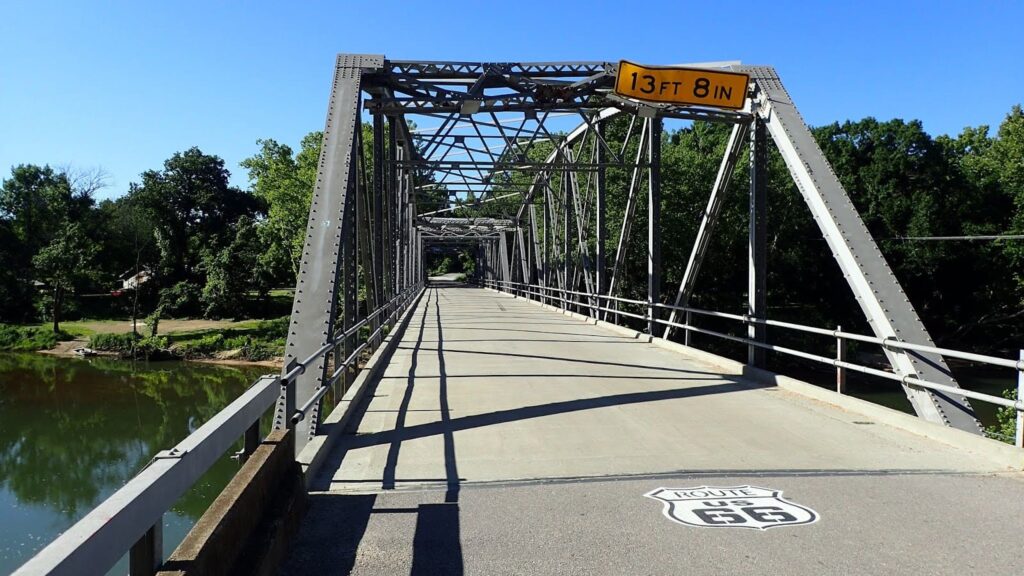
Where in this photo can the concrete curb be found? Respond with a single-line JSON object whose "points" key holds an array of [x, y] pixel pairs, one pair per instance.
{"points": [[248, 527], [998, 452], [316, 450]]}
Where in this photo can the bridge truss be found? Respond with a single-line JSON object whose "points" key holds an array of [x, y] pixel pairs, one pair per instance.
{"points": [[475, 155], [512, 159]]}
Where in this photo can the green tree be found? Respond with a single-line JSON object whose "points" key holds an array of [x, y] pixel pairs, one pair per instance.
{"points": [[234, 271], [37, 204], [15, 289], [127, 247], [193, 208], [1005, 163], [284, 181], [64, 263]]}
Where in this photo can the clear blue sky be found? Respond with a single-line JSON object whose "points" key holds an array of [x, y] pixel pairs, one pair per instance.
{"points": [[123, 85]]}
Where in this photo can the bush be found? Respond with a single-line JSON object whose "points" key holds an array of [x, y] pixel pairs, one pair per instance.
{"points": [[123, 343], [1005, 427], [153, 347], [442, 267], [153, 322], [202, 347], [129, 345], [29, 338], [181, 300], [260, 351]]}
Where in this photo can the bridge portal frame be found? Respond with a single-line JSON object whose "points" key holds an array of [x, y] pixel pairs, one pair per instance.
{"points": [[484, 168], [369, 234]]}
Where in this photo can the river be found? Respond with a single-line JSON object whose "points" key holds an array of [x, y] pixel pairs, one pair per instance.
{"points": [[73, 431]]}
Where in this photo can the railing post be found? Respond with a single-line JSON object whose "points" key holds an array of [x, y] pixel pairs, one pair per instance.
{"points": [[250, 441], [686, 334], [840, 357], [1018, 438], [147, 554]]}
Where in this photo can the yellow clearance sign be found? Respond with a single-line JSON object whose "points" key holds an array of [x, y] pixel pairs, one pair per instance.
{"points": [[682, 85]]}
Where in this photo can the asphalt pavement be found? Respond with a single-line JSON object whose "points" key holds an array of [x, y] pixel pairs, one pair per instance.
{"points": [[504, 438]]}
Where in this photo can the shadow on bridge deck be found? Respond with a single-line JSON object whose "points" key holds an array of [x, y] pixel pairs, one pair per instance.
{"points": [[506, 438]]}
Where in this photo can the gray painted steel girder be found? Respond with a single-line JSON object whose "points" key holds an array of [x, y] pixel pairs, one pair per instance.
{"points": [[878, 292], [888, 310], [314, 310]]}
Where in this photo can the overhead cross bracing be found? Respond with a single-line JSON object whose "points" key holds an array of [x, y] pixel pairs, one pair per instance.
{"points": [[512, 160], [439, 227], [474, 124]]}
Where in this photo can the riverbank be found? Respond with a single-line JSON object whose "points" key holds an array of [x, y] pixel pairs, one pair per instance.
{"points": [[66, 349], [226, 342]]}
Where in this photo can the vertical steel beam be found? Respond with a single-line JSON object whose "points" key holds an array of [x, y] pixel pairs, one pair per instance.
{"points": [[546, 265], [708, 220], [506, 269], [492, 269], [485, 271], [408, 218], [601, 230], [402, 218], [366, 244], [757, 242], [581, 263], [627, 218], [1018, 437], [392, 217], [523, 250], [566, 220], [653, 223], [840, 357], [314, 309], [417, 252], [536, 270], [377, 226], [350, 271], [495, 262]]}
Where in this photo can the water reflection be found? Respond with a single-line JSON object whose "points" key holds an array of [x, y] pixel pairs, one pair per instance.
{"points": [[73, 431]]}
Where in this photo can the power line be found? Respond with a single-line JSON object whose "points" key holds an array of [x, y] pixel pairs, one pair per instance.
{"points": [[954, 238]]}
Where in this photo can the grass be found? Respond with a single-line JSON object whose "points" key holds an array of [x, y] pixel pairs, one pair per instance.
{"points": [[30, 338], [254, 339]]}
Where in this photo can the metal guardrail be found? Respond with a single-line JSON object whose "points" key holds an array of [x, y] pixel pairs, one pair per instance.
{"points": [[593, 303], [399, 303], [134, 513]]}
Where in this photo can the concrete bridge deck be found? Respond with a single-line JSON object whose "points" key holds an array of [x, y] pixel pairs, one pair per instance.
{"points": [[504, 438]]}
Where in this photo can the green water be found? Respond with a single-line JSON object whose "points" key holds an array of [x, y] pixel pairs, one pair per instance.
{"points": [[73, 431]]}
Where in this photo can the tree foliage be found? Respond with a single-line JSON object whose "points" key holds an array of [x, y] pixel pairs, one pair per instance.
{"points": [[217, 250], [194, 210], [284, 181]]}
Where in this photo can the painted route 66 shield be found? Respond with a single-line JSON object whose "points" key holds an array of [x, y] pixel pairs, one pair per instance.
{"points": [[732, 507]]}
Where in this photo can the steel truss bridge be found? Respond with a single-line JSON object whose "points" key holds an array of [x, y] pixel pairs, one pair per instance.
{"points": [[484, 156]]}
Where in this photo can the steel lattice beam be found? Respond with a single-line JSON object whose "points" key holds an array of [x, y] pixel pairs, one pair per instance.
{"points": [[494, 117], [886, 306]]}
